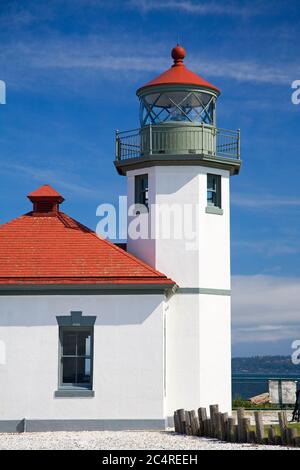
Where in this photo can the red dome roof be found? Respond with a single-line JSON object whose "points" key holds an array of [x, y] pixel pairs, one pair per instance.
{"points": [[179, 74]]}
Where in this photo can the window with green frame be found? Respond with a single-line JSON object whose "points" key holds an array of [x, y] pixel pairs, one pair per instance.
{"points": [[214, 190], [76, 357], [141, 190]]}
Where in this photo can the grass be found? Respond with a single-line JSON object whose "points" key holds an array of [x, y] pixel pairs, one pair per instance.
{"points": [[277, 428]]}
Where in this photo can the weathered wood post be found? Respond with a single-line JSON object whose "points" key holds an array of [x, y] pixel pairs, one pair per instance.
{"points": [[246, 429], [252, 437], [208, 428], [236, 433], [259, 427], [176, 422], [217, 426], [224, 421], [213, 410], [271, 435], [291, 436], [194, 423], [188, 424], [181, 416], [240, 417], [297, 441], [202, 416], [282, 417], [230, 429]]}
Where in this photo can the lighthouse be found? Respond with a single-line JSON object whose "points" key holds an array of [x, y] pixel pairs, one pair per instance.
{"points": [[178, 165]]}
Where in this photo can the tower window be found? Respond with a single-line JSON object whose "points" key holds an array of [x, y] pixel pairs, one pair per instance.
{"points": [[141, 190], [214, 190]]}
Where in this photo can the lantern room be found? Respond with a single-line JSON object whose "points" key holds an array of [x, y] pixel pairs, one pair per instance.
{"points": [[178, 95]]}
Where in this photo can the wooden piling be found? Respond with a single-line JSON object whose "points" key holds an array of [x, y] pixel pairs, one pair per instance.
{"points": [[202, 416], [230, 429], [291, 436], [271, 435], [282, 417], [194, 423], [188, 424], [246, 429], [176, 422], [213, 410], [181, 417], [224, 421], [240, 417], [259, 427]]}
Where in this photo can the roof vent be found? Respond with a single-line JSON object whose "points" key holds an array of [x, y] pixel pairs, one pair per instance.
{"points": [[45, 200]]}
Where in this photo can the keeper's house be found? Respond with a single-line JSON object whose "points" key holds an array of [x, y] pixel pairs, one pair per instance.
{"points": [[81, 327]]}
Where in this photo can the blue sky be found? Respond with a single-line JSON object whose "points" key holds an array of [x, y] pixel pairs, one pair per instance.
{"points": [[71, 69]]}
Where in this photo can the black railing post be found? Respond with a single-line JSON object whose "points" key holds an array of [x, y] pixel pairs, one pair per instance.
{"points": [[239, 144], [117, 145], [150, 139]]}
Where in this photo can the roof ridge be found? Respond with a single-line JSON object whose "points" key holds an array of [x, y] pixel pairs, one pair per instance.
{"points": [[14, 220], [111, 244]]}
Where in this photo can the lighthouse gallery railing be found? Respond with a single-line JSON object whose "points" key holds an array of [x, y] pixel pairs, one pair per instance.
{"points": [[155, 139]]}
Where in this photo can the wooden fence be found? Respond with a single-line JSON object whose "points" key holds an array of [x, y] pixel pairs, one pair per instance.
{"points": [[221, 426]]}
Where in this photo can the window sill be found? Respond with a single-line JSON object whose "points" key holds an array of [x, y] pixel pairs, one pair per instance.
{"points": [[214, 210], [76, 393]]}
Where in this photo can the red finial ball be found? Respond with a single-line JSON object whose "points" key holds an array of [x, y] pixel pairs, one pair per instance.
{"points": [[178, 53]]}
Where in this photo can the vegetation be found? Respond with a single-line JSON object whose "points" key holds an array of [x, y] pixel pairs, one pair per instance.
{"points": [[240, 402], [268, 365]]}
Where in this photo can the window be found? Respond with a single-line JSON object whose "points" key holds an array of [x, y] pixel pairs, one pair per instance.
{"points": [[214, 190], [76, 357], [141, 190]]}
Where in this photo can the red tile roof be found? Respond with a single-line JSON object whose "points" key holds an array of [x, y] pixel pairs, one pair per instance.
{"points": [[53, 248]]}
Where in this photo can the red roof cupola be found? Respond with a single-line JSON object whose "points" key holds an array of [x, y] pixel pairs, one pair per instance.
{"points": [[179, 74], [45, 200]]}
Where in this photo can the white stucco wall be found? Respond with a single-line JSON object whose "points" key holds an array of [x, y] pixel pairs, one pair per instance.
{"points": [[128, 357], [203, 261], [198, 352], [198, 326]]}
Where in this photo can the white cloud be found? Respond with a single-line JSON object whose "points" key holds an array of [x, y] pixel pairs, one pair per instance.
{"points": [[265, 309], [263, 201], [118, 56], [195, 8], [270, 247], [48, 176]]}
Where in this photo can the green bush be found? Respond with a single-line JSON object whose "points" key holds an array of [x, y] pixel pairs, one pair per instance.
{"points": [[240, 402]]}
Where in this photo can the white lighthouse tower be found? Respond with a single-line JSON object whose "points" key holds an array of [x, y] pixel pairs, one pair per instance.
{"points": [[178, 165]]}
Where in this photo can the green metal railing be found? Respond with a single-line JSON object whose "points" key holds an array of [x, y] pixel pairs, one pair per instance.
{"points": [[173, 138]]}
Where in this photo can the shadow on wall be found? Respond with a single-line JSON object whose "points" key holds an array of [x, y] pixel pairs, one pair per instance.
{"points": [[109, 311]]}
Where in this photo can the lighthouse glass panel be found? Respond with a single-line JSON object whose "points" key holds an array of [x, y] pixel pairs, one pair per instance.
{"points": [[177, 106]]}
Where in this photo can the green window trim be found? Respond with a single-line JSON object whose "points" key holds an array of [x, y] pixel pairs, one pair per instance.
{"points": [[214, 210], [65, 393]]}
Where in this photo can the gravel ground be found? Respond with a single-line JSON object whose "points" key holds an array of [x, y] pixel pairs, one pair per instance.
{"points": [[114, 440]]}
